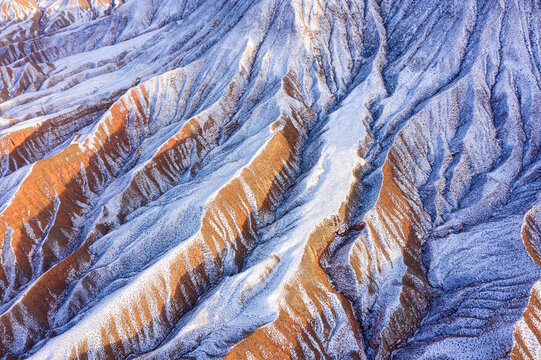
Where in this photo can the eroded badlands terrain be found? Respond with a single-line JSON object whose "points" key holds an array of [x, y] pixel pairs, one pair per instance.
{"points": [[190, 179]]}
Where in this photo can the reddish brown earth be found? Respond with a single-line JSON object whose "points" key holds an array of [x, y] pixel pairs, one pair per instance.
{"points": [[272, 179]]}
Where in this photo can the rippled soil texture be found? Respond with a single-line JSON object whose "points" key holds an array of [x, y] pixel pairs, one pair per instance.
{"points": [[270, 179]]}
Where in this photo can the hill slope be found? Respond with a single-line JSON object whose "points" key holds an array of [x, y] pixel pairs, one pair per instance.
{"points": [[270, 179]]}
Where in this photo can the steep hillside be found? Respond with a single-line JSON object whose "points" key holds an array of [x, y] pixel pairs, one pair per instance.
{"points": [[270, 179]]}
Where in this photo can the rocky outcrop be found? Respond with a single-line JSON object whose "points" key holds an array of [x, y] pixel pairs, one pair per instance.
{"points": [[527, 331]]}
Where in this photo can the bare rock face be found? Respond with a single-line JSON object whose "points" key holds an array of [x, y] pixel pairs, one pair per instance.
{"points": [[528, 330], [271, 179]]}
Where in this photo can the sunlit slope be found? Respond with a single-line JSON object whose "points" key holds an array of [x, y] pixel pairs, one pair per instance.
{"points": [[269, 179]]}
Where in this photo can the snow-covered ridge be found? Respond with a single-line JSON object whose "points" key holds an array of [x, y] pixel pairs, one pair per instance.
{"points": [[269, 179]]}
